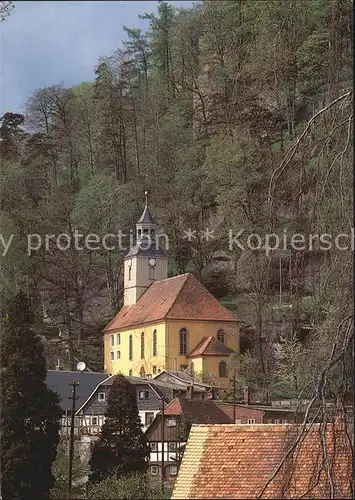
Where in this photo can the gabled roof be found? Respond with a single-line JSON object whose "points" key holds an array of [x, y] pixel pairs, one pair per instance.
{"points": [[210, 346], [58, 381], [237, 461], [181, 297], [197, 411]]}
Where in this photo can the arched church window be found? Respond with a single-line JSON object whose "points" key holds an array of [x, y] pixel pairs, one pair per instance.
{"points": [[183, 341], [222, 369], [155, 343], [142, 345], [118, 339], [112, 355], [130, 348], [142, 372], [112, 339], [221, 336]]}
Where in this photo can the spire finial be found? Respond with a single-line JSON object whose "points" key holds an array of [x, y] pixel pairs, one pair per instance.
{"points": [[146, 198]]}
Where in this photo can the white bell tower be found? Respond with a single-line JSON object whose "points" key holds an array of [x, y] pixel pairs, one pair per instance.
{"points": [[144, 263]]}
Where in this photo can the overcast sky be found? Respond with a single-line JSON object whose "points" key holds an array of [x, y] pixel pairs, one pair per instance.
{"points": [[43, 43]]}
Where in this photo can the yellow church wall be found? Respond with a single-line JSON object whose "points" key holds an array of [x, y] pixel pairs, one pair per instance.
{"points": [[124, 364], [211, 366], [196, 331]]}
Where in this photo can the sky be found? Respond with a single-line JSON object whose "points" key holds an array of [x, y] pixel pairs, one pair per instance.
{"points": [[47, 42]]}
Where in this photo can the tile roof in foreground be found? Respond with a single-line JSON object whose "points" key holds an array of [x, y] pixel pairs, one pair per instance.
{"points": [[181, 297], [237, 461]]}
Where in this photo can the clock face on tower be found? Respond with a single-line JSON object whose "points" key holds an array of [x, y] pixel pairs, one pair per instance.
{"points": [[152, 262]]}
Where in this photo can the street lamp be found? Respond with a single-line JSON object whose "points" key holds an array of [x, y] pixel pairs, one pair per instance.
{"points": [[80, 367]]}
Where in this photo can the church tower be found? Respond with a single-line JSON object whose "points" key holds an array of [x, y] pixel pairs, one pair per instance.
{"points": [[144, 263]]}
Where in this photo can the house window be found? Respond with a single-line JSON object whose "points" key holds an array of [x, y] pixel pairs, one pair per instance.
{"points": [[130, 348], [142, 345], [221, 336], [151, 273], [173, 470], [171, 422], [112, 339], [183, 341], [172, 446], [130, 373], [101, 397], [143, 395], [251, 421], [93, 420], [118, 339], [222, 369], [155, 343], [154, 470], [112, 355], [183, 368], [149, 417], [118, 355], [153, 447]]}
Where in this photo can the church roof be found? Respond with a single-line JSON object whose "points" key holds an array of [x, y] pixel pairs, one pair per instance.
{"points": [[146, 217], [210, 346], [182, 297]]}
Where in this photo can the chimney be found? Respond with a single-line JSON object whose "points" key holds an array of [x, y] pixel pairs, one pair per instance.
{"points": [[189, 390], [246, 395]]}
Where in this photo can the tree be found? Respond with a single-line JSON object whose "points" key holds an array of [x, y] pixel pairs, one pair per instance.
{"points": [[130, 487], [30, 412], [122, 446], [60, 472]]}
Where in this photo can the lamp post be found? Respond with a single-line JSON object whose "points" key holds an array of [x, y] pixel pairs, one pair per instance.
{"points": [[73, 397], [80, 367]]}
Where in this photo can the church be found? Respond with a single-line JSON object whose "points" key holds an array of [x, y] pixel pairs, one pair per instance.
{"points": [[172, 324]]}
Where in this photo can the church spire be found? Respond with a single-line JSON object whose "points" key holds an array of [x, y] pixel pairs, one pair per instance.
{"points": [[146, 224]]}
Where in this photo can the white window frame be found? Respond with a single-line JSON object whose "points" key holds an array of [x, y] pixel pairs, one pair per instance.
{"points": [[118, 355], [172, 446], [118, 339], [94, 421], [144, 393], [101, 399], [112, 340], [251, 421], [153, 447], [171, 422], [173, 467], [155, 468]]}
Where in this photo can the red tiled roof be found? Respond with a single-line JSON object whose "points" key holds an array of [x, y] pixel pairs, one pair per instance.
{"points": [[198, 411], [237, 461], [180, 297], [210, 346]]}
